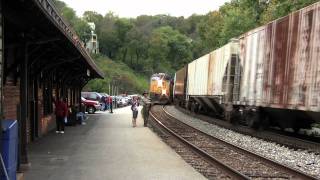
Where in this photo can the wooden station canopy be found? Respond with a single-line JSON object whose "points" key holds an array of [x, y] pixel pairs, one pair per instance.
{"points": [[33, 29]]}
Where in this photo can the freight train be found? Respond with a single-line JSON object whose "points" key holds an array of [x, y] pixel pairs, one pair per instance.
{"points": [[269, 76]]}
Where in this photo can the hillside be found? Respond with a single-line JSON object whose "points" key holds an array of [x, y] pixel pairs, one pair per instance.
{"points": [[119, 74]]}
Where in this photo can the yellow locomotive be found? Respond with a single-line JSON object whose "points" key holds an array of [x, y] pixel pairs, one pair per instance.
{"points": [[160, 85]]}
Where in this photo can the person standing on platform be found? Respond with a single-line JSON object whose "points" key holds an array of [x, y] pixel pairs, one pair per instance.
{"points": [[134, 108], [106, 103], [61, 113], [103, 103], [146, 103], [110, 103]]}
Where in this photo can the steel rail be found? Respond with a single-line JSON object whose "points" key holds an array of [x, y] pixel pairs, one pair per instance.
{"points": [[295, 172], [210, 159]]}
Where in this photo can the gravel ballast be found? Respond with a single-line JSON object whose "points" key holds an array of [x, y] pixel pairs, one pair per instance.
{"points": [[298, 159]]}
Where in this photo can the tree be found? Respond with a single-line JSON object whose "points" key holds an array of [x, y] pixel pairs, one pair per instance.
{"points": [[169, 49], [279, 8], [96, 18], [209, 30], [108, 39], [80, 26], [83, 30]]}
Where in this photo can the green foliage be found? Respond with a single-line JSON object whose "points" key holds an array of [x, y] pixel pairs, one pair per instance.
{"points": [[280, 8], [169, 50], [118, 74], [83, 30], [80, 26]]}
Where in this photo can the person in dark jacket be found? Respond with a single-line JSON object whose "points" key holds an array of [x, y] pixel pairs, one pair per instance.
{"points": [[61, 113], [146, 103]]}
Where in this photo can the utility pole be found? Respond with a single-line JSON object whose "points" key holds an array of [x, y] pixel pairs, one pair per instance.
{"points": [[112, 92], [115, 102]]}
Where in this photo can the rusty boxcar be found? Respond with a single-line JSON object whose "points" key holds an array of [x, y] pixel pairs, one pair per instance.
{"points": [[270, 75], [180, 82], [281, 68]]}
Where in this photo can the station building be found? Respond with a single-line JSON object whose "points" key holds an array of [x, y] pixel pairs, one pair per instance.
{"points": [[41, 58]]}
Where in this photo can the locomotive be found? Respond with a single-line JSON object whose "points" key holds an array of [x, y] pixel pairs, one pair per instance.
{"points": [[160, 88], [269, 76]]}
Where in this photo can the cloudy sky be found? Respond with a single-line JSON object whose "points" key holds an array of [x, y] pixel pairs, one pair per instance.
{"points": [[134, 8]]}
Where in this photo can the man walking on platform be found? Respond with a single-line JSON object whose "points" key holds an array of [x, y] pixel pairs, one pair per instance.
{"points": [[146, 102]]}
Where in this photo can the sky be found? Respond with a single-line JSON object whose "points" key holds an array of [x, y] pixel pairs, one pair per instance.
{"points": [[134, 8]]}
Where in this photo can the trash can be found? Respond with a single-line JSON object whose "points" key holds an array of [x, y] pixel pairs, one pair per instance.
{"points": [[9, 148]]}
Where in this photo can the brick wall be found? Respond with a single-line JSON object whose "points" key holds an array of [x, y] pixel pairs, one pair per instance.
{"points": [[11, 99], [46, 123], [11, 94]]}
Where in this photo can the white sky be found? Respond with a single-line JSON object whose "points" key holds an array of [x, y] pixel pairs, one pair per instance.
{"points": [[134, 8]]}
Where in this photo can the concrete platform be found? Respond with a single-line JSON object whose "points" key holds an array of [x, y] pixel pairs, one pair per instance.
{"points": [[106, 148]]}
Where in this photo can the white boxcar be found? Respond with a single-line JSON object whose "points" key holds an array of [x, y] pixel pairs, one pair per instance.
{"points": [[198, 76], [252, 54]]}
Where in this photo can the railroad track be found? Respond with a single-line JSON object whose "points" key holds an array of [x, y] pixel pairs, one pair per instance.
{"points": [[223, 160], [289, 141]]}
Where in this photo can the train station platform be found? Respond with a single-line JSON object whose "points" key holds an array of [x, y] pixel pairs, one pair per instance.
{"points": [[107, 147]]}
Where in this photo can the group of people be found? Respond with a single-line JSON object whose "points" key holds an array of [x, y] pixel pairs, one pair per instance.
{"points": [[106, 103], [146, 103], [62, 112]]}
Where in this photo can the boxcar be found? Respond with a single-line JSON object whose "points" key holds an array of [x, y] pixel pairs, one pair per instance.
{"points": [[179, 88], [281, 68], [210, 78]]}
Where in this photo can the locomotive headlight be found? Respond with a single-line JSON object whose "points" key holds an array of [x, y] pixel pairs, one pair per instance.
{"points": [[159, 83]]}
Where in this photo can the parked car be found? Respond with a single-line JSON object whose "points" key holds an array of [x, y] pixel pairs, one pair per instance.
{"points": [[121, 101], [94, 96], [90, 106]]}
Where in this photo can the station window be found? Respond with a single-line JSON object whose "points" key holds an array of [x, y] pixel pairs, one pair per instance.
{"points": [[47, 99]]}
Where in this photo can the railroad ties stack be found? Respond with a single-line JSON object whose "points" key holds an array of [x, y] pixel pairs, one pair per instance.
{"points": [[240, 157]]}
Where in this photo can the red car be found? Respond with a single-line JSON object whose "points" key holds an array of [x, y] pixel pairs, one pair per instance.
{"points": [[91, 106]]}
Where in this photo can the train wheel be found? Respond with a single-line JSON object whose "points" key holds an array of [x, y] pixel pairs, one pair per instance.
{"points": [[265, 123], [189, 106], [235, 117], [192, 107], [296, 129], [253, 120]]}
